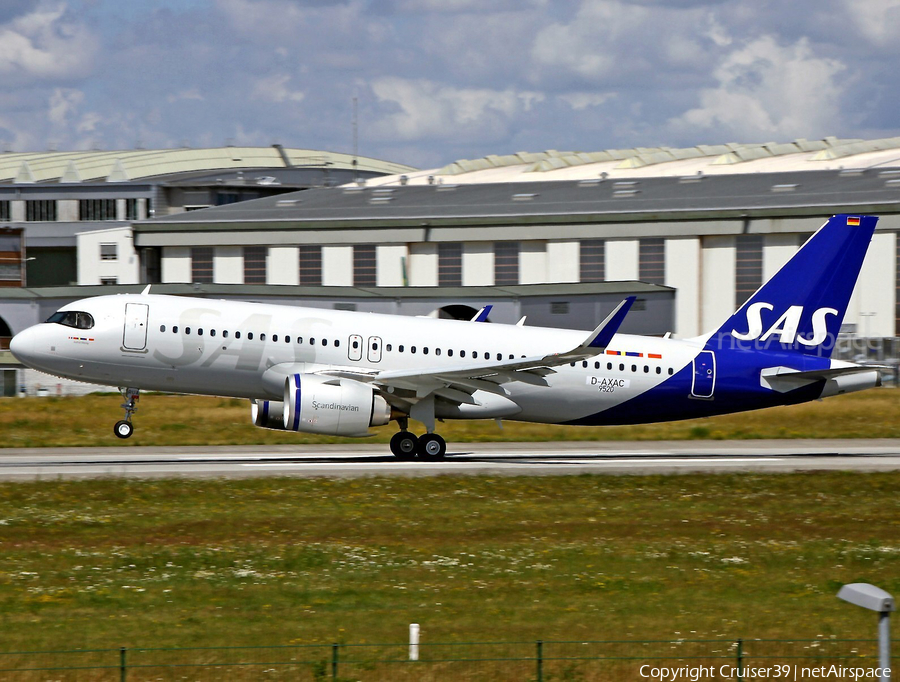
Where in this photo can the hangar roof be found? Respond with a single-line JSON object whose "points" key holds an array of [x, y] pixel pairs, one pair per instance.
{"points": [[796, 193], [126, 165], [830, 153]]}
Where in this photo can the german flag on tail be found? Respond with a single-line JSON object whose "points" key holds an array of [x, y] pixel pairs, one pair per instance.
{"points": [[852, 221]]}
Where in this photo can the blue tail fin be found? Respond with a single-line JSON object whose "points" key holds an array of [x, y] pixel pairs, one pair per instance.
{"points": [[801, 308]]}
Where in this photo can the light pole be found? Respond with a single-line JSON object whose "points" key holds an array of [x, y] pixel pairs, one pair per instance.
{"points": [[875, 599]]}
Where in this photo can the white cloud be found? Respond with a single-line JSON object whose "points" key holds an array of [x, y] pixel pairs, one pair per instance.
{"points": [[766, 91], [63, 105], [45, 44], [189, 94], [425, 109], [877, 20], [582, 100], [274, 88]]}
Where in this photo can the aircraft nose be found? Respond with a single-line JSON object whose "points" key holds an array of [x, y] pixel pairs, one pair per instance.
{"points": [[22, 345]]}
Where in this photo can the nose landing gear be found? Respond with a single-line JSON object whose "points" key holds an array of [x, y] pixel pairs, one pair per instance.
{"points": [[124, 428]]}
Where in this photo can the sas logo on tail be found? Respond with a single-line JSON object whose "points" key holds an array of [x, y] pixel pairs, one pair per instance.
{"points": [[785, 327]]}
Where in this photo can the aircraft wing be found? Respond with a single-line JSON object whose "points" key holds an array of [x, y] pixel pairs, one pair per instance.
{"points": [[457, 383]]}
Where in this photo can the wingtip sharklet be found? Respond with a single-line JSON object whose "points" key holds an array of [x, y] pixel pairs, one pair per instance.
{"points": [[603, 334]]}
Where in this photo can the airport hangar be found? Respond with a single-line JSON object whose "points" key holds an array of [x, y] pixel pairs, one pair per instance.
{"points": [[557, 236]]}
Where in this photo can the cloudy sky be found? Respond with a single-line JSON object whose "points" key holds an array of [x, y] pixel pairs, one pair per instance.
{"points": [[438, 80]]}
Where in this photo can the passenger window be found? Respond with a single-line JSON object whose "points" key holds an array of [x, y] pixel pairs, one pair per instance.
{"points": [[634, 368], [175, 329], [212, 332], [572, 364], [487, 356], [412, 349], [312, 341], [621, 367], [299, 339], [400, 348], [596, 365], [187, 330], [225, 334], [262, 337], [584, 364], [659, 370], [237, 335], [324, 342], [449, 352], [511, 356], [287, 339], [162, 327], [337, 343], [249, 336], [355, 345], [200, 331], [608, 365], [274, 338], [671, 371], [437, 351], [425, 350], [499, 356], [646, 369], [388, 348]]}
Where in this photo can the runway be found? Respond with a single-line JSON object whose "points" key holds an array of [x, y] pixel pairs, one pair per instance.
{"points": [[509, 459]]}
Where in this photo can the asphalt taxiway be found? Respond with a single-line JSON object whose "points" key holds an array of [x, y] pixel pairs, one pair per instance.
{"points": [[513, 459]]}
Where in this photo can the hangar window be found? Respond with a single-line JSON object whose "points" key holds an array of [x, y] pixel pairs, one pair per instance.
{"points": [[364, 265], [592, 255], [72, 318], [40, 210], [255, 264], [652, 261], [131, 209], [506, 263], [97, 209], [748, 266], [310, 259], [449, 265], [202, 264], [4, 211]]}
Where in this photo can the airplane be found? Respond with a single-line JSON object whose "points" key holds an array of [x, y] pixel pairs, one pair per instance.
{"points": [[340, 373]]}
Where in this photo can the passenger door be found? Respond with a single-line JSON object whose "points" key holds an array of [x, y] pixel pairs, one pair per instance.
{"points": [[704, 382], [135, 337]]}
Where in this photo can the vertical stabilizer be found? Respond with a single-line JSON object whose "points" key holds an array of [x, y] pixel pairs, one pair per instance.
{"points": [[802, 307]]}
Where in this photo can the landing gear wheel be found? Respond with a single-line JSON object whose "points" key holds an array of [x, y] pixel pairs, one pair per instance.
{"points": [[403, 445], [431, 447], [123, 429]]}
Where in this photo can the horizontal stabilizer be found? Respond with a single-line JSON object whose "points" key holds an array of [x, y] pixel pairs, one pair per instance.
{"points": [[783, 379]]}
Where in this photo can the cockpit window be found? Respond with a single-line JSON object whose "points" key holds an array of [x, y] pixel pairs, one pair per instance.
{"points": [[72, 318]]}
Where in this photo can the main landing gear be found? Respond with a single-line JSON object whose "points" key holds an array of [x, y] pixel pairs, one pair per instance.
{"points": [[406, 446], [124, 428]]}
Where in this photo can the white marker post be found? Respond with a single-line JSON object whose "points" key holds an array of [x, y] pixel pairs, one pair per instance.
{"points": [[414, 641]]}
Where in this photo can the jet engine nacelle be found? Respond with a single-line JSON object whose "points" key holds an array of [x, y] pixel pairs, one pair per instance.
{"points": [[267, 414], [336, 407]]}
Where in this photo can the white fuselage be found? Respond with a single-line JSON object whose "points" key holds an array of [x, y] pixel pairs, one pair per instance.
{"points": [[229, 348]]}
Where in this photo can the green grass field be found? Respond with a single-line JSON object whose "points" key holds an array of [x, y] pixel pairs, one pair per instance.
{"points": [[192, 420], [108, 563]]}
